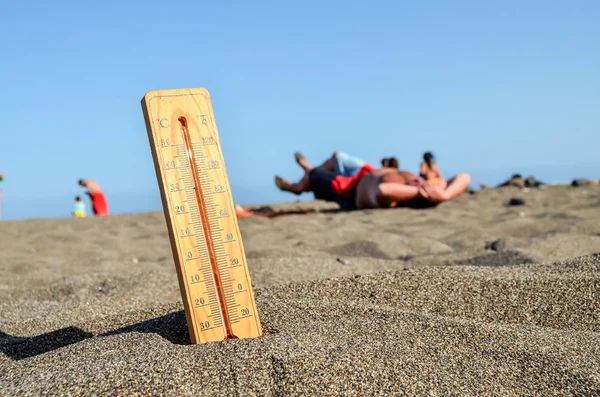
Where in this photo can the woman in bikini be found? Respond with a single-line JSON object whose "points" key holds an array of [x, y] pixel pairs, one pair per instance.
{"points": [[429, 169]]}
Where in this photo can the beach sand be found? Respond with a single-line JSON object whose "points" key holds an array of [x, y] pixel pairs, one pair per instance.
{"points": [[377, 302]]}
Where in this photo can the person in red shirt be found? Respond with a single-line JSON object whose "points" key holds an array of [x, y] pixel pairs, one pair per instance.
{"points": [[99, 204], [334, 180]]}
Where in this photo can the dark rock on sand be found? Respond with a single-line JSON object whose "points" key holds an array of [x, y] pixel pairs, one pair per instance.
{"points": [[533, 182], [583, 182], [516, 201], [516, 180], [496, 245]]}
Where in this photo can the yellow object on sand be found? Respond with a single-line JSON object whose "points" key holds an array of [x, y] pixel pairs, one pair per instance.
{"points": [[79, 214]]}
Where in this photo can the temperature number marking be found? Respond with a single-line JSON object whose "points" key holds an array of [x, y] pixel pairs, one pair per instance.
{"points": [[214, 164], [170, 165], [196, 279], [165, 142], [186, 232], [200, 301], [208, 140], [204, 325], [175, 187], [180, 209]]}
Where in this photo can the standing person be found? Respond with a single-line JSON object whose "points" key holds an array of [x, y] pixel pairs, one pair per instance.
{"points": [[78, 208], [429, 169], [99, 204]]}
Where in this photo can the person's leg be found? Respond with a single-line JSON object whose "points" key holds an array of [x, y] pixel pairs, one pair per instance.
{"points": [[321, 184], [339, 163], [302, 162], [303, 185], [456, 186], [345, 164], [329, 164]]}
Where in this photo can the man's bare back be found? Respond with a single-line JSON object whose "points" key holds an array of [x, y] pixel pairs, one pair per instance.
{"points": [[387, 187], [369, 192], [91, 185]]}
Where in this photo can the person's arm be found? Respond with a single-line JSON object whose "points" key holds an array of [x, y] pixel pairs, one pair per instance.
{"points": [[394, 192]]}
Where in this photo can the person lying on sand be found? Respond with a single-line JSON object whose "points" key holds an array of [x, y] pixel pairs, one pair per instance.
{"points": [[333, 180], [388, 188], [339, 163], [99, 204], [371, 188]]}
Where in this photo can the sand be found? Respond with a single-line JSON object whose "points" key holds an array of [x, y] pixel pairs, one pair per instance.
{"points": [[379, 302]]}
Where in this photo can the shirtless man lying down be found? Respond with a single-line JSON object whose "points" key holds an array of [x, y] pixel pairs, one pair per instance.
{"points": [[388, 188]]}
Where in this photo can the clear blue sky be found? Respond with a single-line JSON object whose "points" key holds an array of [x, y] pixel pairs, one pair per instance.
{"points": [[490, 87]]}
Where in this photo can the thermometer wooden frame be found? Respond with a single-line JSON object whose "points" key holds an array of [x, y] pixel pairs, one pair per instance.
{"points": [[205, 237]]}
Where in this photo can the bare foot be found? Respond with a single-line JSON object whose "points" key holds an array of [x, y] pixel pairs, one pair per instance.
{"points": [[302, 162], [281, 183], [299, 157], [285, 185]]}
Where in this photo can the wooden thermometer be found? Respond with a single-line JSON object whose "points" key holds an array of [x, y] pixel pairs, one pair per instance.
{"points": [[203, 228]]}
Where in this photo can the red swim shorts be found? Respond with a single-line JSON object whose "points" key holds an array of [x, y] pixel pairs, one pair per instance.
{"points": [[99, 204]]}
